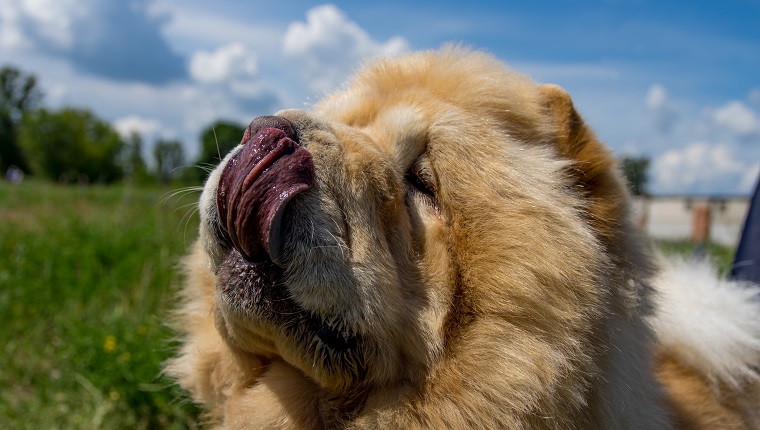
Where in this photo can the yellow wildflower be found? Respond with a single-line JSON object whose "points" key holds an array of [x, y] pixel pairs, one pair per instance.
{"points": [[110, 344]]}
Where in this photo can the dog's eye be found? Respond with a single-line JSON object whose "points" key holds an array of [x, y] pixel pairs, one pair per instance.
{"points": [[419, 182]]}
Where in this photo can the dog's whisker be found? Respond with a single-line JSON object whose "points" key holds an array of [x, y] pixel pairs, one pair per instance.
{"points": [[181, 192]]}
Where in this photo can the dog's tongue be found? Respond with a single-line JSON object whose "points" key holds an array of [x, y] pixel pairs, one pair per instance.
{"points": [[256, 185]]}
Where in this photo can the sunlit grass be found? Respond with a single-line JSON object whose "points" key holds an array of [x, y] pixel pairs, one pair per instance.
{"points": [[86, 281]]}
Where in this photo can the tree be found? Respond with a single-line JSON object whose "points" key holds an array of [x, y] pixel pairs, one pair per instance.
{"points": [[132, 160], [18, 94], [636, 172], [169, 156], [71, 145], [216, 141]]}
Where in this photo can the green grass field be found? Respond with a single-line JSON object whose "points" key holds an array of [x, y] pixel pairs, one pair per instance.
{"points": [[87, 276], [86, 281]]}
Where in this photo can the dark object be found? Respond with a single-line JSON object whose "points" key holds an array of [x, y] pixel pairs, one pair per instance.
{"points": [[747, 260], [636, 172]]}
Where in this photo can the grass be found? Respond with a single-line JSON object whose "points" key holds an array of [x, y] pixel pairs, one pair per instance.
{"points": [[86, 279], [720, 256]]}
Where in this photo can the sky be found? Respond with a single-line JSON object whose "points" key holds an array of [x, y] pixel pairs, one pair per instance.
{"points": [[676, 81]]}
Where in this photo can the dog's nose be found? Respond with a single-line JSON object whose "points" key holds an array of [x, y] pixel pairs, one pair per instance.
{"points": [[264, 122], [257, 184]]}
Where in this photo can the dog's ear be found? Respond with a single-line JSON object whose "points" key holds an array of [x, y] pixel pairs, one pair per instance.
{"points": [[594, 168]]}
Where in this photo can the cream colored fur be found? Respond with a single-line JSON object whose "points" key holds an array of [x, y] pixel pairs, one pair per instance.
{"points": [[514, 295], [712, 324]]}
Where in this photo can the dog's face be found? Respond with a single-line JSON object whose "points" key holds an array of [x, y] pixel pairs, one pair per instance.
{"points": [[318, 241], [441, 216]]}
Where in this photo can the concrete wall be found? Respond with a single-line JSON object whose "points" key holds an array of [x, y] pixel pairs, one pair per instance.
{"points": [[677, 217]]}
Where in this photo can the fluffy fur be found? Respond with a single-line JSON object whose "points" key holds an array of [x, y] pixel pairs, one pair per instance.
{"points": [[468, 250], [708, 344], [713, 325]]}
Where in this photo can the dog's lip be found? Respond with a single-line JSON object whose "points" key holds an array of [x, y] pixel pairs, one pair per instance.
{"points": [[256, 290], [257, 184]]}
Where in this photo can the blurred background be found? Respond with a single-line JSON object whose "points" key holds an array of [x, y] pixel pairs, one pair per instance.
{"points": [[111, 113]]}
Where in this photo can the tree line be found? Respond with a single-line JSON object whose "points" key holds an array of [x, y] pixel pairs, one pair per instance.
{"points": [[73, 145]]}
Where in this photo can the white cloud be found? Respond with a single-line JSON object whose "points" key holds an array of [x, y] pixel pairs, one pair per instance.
{"points": [[737, 118], [703, 167], [329, 45], [11, 36], [227, 86], [227, 63], [662, 110], [146, 127], [25, 23], [656, 96]]}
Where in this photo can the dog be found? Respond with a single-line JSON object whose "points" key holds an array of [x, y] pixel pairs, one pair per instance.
{"points": [[445, 244]]}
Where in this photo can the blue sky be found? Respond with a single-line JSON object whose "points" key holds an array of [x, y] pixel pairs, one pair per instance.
{"points": [[678, 81]]}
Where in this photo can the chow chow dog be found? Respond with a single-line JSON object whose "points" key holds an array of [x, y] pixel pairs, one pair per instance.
{"points": [[444, 244]]}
